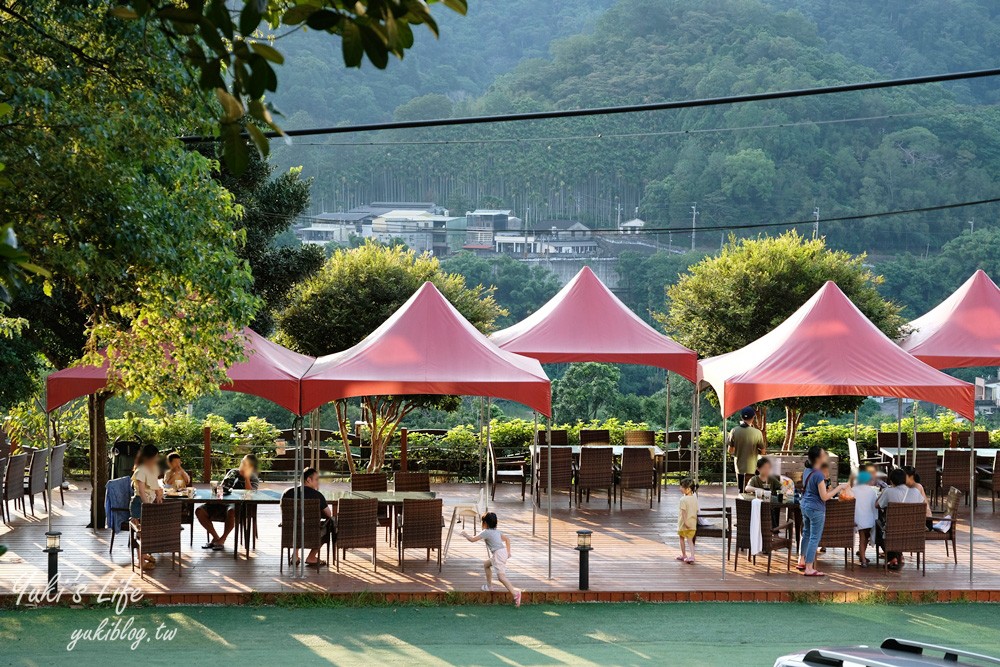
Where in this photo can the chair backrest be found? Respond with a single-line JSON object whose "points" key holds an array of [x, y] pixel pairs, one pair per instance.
{"points": [[838, 529], [640, 438], [56, 460], [36, 471], [930, 440], [744, 508], [961, 439], [852, 450], [412, 481], [595, 437], [421, 523], [357, 523], [369, 481], [682, 438], [905, 527], [995, 478], [891, 439], [560, 437], [596, 467], [14, 477], [4, 444], [562, 467], [951, 503], [955, 469], [926, 466], [161, 527], [312, 538], [637, 468]]}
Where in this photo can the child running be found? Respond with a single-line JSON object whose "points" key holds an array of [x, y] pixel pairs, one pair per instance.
{"points": [[687, 519], [498, 547]]}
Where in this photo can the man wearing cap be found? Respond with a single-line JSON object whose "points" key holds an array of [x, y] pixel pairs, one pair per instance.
{"points": [[746, 443]]}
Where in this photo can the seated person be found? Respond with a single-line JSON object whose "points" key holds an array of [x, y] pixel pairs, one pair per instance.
{"points": [[242, 478], [899, 492], [764, 479], [310, 491], [913, 482], [175, 472], [874, 472], [865, 513]]}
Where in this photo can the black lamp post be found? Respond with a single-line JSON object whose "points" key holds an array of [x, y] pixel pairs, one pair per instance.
{"points": [[52, 548], [583, 546]]}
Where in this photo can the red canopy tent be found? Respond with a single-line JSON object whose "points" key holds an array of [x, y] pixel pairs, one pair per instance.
{"points": [[270, 371], [585, 321], [963, 330], [426, 347], [828, 348]]}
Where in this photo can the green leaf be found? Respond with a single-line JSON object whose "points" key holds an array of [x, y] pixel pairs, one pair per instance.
{"points": [[375, 48], [268, 52], [460, 6], [324, 19], [258, 76], [231, 106], [249, 18], [297, 14], [218, 14], [124, 13], [235, 151], [5, 109], [178, 15], [259, 140], [351, 45]]}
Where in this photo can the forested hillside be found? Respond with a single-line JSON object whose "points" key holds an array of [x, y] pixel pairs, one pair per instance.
{"points": [[753, 163]]}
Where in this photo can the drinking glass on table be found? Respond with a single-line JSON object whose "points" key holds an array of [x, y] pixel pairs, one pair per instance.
{"points": [[215, 486]]}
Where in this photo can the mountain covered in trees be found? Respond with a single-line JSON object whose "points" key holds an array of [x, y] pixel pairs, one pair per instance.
{"points": [[748, 164]]}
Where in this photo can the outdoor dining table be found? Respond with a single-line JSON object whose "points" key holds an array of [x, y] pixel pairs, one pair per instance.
{"points": [[385, 497], [243, 501], [895, 453], [659, 457]]}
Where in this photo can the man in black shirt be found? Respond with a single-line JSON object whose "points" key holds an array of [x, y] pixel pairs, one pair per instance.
{"points": [[310, 491]]}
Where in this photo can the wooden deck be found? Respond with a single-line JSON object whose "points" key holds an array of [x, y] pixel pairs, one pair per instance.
{"points": [[633, 558]]}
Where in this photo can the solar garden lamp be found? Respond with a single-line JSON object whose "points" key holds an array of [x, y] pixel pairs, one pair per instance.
{"points": [[583, 546], [52, 548]]}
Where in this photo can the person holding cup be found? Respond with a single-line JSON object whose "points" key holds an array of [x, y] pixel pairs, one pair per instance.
{"points": [[175, 476], [815, 493]]}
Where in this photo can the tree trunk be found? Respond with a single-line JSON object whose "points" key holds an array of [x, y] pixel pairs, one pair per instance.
{"points": [[345, 436], [98, 456], [384, 416], [793, 417], [760, 422]]}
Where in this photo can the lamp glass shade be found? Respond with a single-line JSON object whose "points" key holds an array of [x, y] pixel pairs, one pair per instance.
{"points": [[52, 540], [583, 539]]}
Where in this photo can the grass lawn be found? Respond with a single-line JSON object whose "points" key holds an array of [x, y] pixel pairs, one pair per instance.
{"points": [[733, 634]]}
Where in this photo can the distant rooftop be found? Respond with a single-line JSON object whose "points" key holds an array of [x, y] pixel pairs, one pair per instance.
{"points": [[489, 211]]}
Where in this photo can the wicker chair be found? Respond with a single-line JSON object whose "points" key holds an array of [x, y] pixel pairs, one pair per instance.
{"points": [[13, 487], [773, 538], [724, 531], [3, 481], [950, 510], [159, 531], [357, 527], [562, 472], [560, 437], [637, 472], [412, 481], [989, 479], [926, 467], [376, 482], [315, 535], [597, 471], [891, 439], [930, 440], [955, 472], [419, 528], [598, 437], [838, 529], [35, 482], [905, 532], [56, 470], [639, 438], [506, 469], [960, 439]]}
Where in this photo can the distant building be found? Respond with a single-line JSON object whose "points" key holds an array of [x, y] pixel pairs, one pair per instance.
{"points": [[422, 231], [633, 226], [339, 226], [481, 226], [548, 237]]}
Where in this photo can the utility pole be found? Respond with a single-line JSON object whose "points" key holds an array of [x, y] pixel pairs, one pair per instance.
{"points": [[972, 226], [618, 206], [816, 223], [694, 223]]}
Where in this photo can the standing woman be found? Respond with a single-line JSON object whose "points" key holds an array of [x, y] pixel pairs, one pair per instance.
{"points": [[146, 484], [814, 496]]}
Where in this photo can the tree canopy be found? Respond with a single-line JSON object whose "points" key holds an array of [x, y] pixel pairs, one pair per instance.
{"points": [[519, 288]]}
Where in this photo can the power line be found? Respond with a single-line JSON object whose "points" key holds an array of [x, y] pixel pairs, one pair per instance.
{"points": [[626, 109]]}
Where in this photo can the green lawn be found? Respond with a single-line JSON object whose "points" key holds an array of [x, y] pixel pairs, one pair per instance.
{"points": [[593, 634]]}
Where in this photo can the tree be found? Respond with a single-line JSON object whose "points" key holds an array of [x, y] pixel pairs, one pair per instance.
{"points": [[520, 288], [725, 302], [355, 292], [584, 390]]}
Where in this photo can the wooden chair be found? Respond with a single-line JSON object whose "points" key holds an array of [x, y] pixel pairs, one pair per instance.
{"points": [[13, 487], [905, 532], [35, 481], [637, 472], [960, 439], [560, 437], [158, 531], [57, 475], [315, 534], [989, 479], [506, 470], [596, 471], [891, 439], [773, 538], [357, 527], [926, 467], [562, 472], [376, 482], [639, 438], [838, 529], [950, 535], [955, 472], [930, 440], [724, 531], [419, 528], [412, 481], [592, 437]]}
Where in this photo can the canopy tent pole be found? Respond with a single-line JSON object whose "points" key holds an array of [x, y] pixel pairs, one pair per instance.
{"points": [[489, 444], [48, 476], [481, 426], [548, 443], [298, 504], [972, 491], [855, 426], [666, 423], [913, 461], [725, 464], [696, 432], [534, 473], [899, 426]]}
